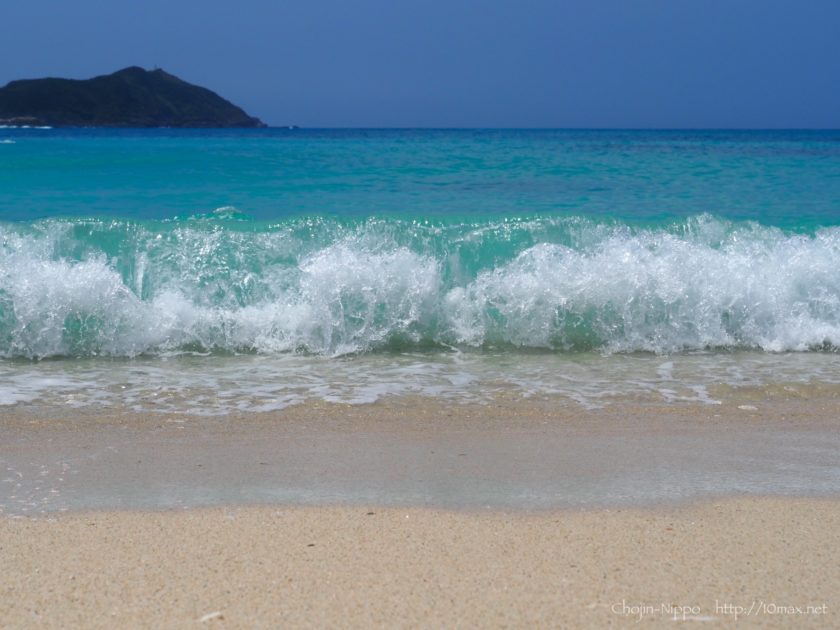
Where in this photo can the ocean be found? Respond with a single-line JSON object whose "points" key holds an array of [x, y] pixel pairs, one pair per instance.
{"points": [[217, 271]]}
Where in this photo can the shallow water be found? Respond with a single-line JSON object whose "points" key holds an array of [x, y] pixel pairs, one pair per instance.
{"points": [[510, 455], [257, 383]]}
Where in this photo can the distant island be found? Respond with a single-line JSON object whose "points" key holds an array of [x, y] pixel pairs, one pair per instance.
{"points": [[132, 97]]}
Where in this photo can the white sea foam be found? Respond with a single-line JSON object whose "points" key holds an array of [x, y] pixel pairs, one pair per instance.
{"points": [[657, 292], [260, 383], [706, 285]]}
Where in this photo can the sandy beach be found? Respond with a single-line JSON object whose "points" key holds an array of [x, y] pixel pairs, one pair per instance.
{"points": [[411, 512], [766, 562], [514, 454]]}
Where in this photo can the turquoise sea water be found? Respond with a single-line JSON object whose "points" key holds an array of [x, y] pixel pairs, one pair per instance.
{"points": [[460, 260]]}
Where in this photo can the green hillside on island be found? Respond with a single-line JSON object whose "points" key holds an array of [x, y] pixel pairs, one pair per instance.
{"points": [[132, 97]]}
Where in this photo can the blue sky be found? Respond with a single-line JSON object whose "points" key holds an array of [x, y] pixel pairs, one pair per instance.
{"points": [[459, 63]]}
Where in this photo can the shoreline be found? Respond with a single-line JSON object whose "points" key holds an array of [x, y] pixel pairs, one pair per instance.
{"points": [[514, 454], [412, 511]]}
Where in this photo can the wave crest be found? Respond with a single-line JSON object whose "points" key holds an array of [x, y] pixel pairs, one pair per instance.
{"points": [[86, 288]]}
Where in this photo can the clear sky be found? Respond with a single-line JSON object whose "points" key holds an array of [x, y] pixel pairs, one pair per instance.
{"points": [[459, 63]]}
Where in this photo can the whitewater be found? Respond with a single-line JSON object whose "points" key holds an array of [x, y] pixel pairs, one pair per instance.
{"points": [[215, 271], [217, 284]]}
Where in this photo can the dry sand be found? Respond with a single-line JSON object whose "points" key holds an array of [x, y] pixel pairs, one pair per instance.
{"points": [[342, 566]]}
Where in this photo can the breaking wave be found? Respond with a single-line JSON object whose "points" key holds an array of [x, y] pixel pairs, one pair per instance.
{"points": [[224, 283]]}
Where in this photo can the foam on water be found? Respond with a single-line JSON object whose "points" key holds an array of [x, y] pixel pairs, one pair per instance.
{"points": [[260, 383], [225, 284]]}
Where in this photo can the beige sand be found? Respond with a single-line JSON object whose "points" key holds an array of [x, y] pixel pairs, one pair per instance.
{"points": [[772, 562], [278, 566]]}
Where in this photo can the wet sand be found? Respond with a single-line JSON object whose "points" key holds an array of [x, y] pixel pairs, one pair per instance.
{"points": [[412, 512], [514, 454]]}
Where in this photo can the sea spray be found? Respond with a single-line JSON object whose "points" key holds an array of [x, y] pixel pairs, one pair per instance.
{"points": [[226, 284]]}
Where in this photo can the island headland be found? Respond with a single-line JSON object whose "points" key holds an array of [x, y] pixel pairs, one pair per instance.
{"points": [[132, 97]]}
